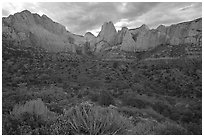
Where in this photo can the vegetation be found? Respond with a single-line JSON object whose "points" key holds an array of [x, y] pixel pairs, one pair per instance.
{"points": [[92, 120], [45, 93]]}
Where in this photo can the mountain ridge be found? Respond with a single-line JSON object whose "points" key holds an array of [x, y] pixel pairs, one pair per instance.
{"points": [[26, 27]]}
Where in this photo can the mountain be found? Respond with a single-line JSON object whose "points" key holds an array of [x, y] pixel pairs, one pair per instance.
{"points": [[182, 33], [91, 39], [128, 43], [57, 82], [107, 33], [32, 30], [143, 38], [39, 31], [106, 37]]}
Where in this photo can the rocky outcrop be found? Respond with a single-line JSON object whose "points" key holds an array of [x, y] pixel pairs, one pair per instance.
{"points": [[185, 33], [89, 36], [182, 33], [33, 30], [146, 38], [30, 29], [108, 33], [106, 37], [126, 40], [91, 39]]}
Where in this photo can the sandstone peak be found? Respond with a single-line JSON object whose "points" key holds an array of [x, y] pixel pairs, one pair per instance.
{"points": [[124, 28], [89, 33], [128, 44], [45, 17], [26, 11], [107, 27], [108, 33], [144, 27], [89, 36], [161, 28]]}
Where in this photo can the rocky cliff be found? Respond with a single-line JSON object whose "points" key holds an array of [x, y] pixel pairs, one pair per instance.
{"points": [[182, 33], [106, 37], [143, 38], [33, 30], [30, 29]]}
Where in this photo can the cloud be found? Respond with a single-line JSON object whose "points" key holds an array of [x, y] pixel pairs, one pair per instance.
{"points": [[89, 16], [5, 12]]}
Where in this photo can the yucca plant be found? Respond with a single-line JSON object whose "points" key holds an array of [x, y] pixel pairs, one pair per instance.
{"points": [[92, 120]]}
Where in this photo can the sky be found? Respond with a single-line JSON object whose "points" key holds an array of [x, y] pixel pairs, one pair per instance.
{"points": [[80, 18]]}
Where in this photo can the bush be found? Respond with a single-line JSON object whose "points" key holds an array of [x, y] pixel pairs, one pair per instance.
{"points": [[34, 107], [94, 97], [145, 128], [31, 118], [151, 127], [194, 129], [91, 120], [168, 128], [133, 101], [105, 99]]}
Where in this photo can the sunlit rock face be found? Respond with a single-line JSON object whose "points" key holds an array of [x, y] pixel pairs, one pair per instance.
{"points": [[89, 36], [185, 33], [108, 33], [106, 37], [30, 29], [126, 40], [91, 39], [40, 31], [182, 33]]}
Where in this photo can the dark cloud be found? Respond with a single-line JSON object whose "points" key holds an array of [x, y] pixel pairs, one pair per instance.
{"points": [[80, 17]]}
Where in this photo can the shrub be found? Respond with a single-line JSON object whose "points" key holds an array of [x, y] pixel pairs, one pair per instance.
{"points": [[133, 101], [151, 127], [168, 128], [93, 120], [33, 107], [145, 128], [194, 129], [105, 99], [94, 97], [31, 118]]}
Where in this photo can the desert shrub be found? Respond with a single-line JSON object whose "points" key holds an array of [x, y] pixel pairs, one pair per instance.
{"points": [[151, 127], [33, 107], [31, 118], [93, 120], [105, 99], [194, 129], [115, 64], [145, 128], [94, 97], [52, 94], [162, 108], [167, 128], [27, 125], [133, 101]]}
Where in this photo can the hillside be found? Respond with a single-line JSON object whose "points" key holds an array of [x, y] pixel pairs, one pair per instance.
{"points": [[47, 90]]}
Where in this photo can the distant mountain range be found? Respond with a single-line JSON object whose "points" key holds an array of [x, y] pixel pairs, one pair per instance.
{"points": [[32, 30]]}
